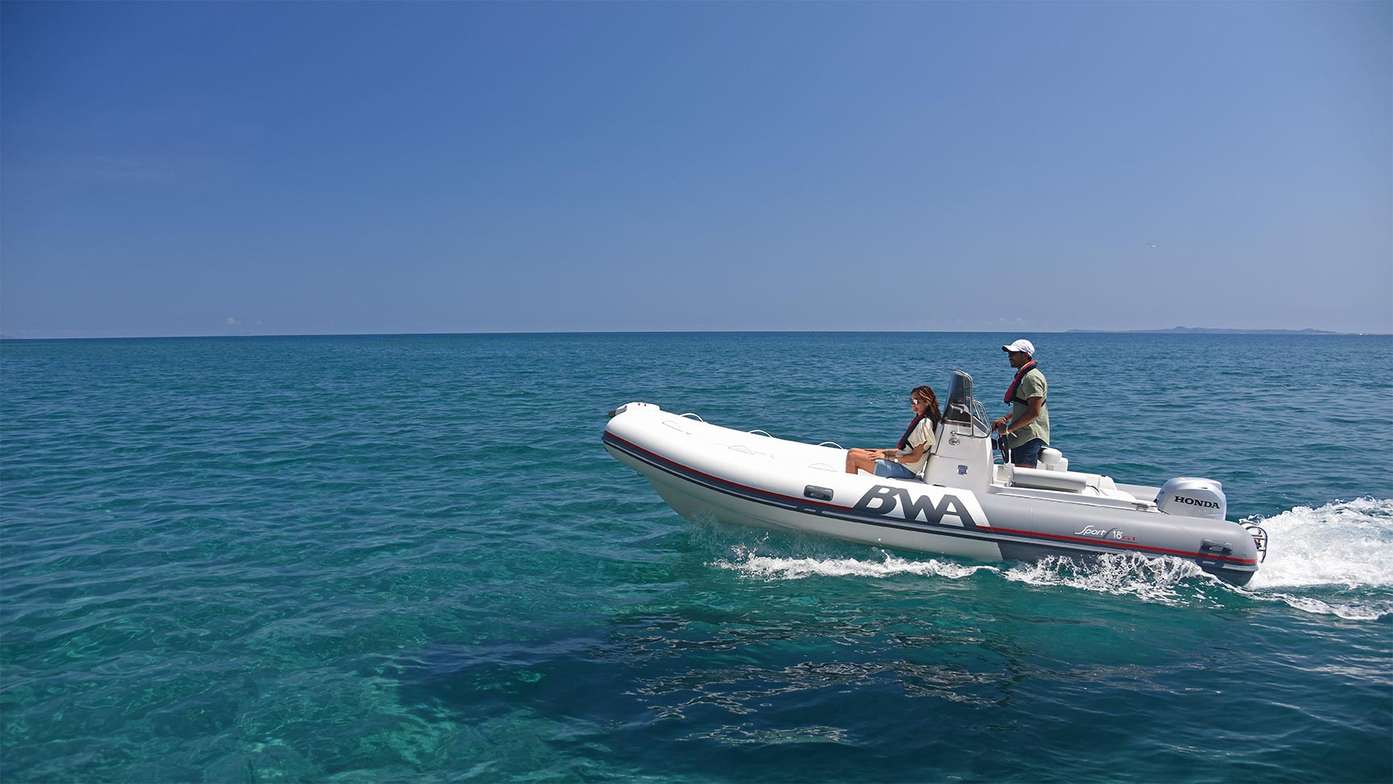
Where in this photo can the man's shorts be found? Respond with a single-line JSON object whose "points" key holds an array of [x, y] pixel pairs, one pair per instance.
{"points": [[1027, 454], [893, 469]]}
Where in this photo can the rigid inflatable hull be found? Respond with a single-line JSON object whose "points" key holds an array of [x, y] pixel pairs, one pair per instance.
{"points": [[697, 500], [1000, 524]]}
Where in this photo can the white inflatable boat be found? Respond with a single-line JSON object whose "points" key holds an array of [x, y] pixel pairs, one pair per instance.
{"points": [[966, 505]]}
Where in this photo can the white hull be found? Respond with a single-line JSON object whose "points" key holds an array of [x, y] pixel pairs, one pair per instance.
{"points": [[966, 506], [696, 502]]}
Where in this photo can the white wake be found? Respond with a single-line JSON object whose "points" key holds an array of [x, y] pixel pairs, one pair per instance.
{"points": [[766, 567], [1335, 559], [1338, 552]]}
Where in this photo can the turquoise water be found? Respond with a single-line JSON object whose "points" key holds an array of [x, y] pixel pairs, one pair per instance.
{"points": [[369, 559]]}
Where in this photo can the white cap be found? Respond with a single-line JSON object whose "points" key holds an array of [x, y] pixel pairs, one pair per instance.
{"points": [[1021, 345]]}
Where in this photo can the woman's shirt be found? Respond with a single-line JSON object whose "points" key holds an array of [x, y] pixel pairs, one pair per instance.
{"points": [[922, 434]]}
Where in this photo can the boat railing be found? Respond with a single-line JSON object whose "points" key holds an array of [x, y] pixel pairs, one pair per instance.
{"points": [[1259, 535], [979, 414]]}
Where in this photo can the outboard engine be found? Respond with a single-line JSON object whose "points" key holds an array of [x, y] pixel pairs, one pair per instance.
{"points": [[1192, 496]]}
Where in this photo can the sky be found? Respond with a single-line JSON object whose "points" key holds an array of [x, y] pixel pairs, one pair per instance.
{"points": [[301, 168]]}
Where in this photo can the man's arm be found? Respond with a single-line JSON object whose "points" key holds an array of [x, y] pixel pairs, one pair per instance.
{"points": [[1033, 413]]}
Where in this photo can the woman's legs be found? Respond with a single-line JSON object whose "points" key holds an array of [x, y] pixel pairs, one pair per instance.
{"points": [[861, 459]]}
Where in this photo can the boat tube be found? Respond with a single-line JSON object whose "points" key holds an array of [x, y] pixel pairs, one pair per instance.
{"points": [[966, 504]]}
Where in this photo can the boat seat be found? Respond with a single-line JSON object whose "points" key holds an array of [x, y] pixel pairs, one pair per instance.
{"points": [[864, 472], [1040, 479], [1109, 488], [1063, 481]]}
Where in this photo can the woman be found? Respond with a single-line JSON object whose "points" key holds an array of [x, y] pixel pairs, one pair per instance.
{"points": [[910, 457]]}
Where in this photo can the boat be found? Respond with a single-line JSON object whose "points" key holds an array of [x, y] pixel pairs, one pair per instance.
{"points": [[966, 505]]}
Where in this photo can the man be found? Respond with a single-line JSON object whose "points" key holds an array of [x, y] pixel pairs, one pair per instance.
{"points": [[1026, 430]]}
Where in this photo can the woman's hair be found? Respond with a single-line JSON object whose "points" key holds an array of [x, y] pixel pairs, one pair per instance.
{"points": [[926, 392]]}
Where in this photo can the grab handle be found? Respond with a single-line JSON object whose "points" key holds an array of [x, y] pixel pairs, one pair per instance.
{"points": [[1210, 546]]}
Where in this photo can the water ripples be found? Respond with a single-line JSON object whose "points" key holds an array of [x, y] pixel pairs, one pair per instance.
{"points": [[408, 558]]}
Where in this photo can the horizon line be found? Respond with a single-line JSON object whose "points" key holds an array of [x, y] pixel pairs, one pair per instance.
{"points": [[1309, 331]]}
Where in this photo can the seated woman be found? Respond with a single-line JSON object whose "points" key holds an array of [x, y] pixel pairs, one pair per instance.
{"points": [[910, 457]]}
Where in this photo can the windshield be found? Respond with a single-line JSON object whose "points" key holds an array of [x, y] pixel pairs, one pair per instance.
{"points": [[962, 408]]}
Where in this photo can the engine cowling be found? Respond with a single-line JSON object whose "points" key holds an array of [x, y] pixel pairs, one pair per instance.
{"points": [[1193, 496]]}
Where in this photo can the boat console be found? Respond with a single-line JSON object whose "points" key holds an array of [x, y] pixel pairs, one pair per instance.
{"points": [[963, 457]]}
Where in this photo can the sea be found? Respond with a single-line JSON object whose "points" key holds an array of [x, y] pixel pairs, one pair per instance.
{"points": [[408, 558]]}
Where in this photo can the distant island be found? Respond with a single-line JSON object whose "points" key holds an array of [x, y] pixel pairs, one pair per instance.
{"points": [[1212, 331]]}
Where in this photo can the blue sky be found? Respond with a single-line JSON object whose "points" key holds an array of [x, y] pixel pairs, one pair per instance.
{"points": [[231, 168]]}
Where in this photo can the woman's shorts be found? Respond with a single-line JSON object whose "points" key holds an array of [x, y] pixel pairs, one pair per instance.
{"points": [[893, 469]]}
